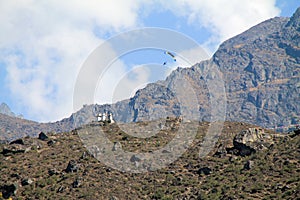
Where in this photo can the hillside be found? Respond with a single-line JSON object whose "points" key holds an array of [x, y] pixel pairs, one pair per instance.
{"points": [[12, 128], [245, 164]]}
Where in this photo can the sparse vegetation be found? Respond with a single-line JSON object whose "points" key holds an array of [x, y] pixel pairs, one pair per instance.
{"points": [[274, 174]]}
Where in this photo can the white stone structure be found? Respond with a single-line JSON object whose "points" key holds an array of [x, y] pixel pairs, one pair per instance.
{"points": [[99, 117], [105, 117], [110, 118]]}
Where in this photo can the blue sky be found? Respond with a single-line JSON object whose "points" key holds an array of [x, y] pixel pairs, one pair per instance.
{"points": [[43, 44]]}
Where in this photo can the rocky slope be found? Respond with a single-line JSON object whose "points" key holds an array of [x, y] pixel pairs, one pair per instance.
{"points": [[261, 73], [12, 128], [246, 163]]}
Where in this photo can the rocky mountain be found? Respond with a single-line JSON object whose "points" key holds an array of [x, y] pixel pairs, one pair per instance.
{"points": [[247, 163], [261, 73], [4, 109], [12, 128], [253, 77]]}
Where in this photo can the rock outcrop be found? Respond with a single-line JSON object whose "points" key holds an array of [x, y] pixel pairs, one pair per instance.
{"points": [[5, 109], [72, 167], [15, 148], [249, 141]]}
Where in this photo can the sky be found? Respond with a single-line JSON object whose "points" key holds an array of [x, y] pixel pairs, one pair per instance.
{"points": [[44, 44]]}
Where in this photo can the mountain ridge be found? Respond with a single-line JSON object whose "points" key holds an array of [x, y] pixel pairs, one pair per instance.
{"points": [[263, 58], [5, 109]]}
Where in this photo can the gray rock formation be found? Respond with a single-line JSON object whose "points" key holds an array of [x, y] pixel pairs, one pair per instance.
{"points": [[261, 71], [72, 167], [4, 109], [249, 141]]}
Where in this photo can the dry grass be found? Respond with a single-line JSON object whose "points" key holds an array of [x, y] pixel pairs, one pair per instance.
{"points": [[275, 173]]}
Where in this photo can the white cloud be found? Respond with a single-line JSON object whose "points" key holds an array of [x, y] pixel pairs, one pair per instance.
{"points": [[224, 18], [123, 84], [44, 43], [190, 57]]}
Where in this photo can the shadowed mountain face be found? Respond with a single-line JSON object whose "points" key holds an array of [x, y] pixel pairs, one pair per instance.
{"points": [[260, 74]]}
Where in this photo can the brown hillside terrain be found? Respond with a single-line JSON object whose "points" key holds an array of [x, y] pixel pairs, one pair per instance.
{"points": [[246, 163]]}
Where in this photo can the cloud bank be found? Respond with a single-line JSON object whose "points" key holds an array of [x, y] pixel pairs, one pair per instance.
{"points": [[223, 18]]}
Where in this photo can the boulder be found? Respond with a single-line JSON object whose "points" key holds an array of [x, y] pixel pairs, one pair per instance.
{"points": [[61, 189], [134, 158], [248, 136], [204, 170], [84, 155], [9, 190], [249, 141], [43, 136], [18, 141], [27, 181], [117, 146], [77, 183], [53, 171], [248, 165], [51, 142], [14, 149], [72, 167]]}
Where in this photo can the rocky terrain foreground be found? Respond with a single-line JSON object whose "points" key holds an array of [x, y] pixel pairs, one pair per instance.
{"points": [[247, 162]]}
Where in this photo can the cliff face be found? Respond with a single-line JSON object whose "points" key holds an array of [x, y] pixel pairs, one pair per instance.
{"points": [[261, 72]]}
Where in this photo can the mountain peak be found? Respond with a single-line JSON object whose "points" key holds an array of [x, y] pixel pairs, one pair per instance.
{"points": [[295, 19], [4, 109]]}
